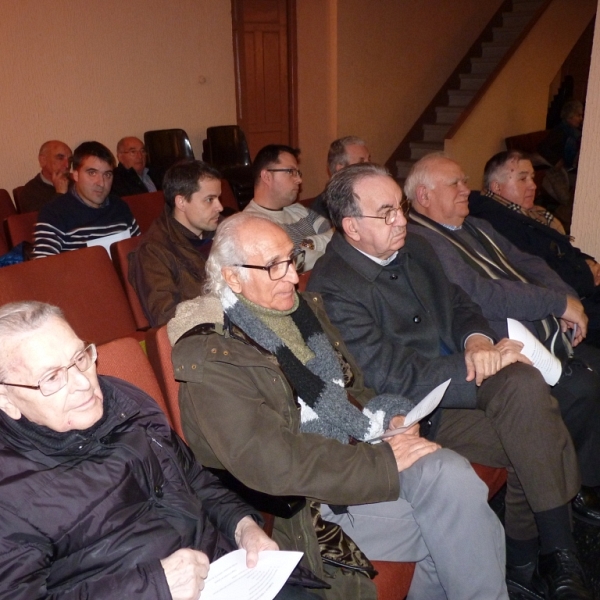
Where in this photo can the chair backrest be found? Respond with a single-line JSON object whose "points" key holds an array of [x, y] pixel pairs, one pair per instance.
{"points": [[165, 147], [7, 207], [125, 359], [303, 277], [158, 348], [227, 197], [17, 196], [20, 228], [120, 251], [226, 146], [83, 283], [146, 208]]}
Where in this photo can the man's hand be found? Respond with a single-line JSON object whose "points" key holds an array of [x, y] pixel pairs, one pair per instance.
{"points": [[408, 447], [575, 315], [250, 537], [398, 421], [510, 351], [595, 269], [185, 570], [482, 358], [60, 181]]}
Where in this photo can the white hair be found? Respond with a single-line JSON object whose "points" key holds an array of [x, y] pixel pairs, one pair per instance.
{"points": [[421, 175]]}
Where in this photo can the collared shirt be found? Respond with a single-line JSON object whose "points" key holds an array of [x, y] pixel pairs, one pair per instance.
{"points": [[384, 262], [147, 181]]}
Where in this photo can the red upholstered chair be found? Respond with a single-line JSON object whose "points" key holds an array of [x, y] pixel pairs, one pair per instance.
{"points": [[83, 283], [17, 196], [303, 277], [124, 358], [7, 208], [119, 252], [146, 208], [306, 202], [20, 228], [228, 198]]}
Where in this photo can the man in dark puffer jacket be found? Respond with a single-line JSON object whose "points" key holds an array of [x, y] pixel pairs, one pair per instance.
{"points": [[98, 497]]}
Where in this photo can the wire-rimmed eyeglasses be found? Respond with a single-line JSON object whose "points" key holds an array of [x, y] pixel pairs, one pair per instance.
{"points": [[55, 380], [292, 172], [389, 216], [279, 269]]}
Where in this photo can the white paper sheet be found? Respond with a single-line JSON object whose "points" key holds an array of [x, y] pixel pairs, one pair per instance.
{"points": [[543, 360], [107, 240], [230, 579], [425, 407]]}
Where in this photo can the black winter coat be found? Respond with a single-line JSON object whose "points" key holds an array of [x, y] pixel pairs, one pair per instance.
{"points": [[89, 514]]}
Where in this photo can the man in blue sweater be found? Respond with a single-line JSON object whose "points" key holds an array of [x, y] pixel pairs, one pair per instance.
{"points": [[88, 211]]}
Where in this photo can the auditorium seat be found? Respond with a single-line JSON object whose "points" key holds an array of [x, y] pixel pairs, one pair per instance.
{"points": [[17, 196], [119, 252], [165, 147], [20, 228], [7, 208], [227, 199], [146, 208], [83, 283]]}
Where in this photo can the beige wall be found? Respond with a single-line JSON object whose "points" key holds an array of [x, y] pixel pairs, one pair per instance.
{"points": [[586, 213], [518, 98], [81, 70]]}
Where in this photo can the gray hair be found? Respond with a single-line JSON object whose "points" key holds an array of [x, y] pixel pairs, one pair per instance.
{"points": [[226, 251], [23, 317], [340, 198], [421, 175], [337, 151]]}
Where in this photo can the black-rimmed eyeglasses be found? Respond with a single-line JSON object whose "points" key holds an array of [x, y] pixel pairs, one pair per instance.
{"points": [[279, 269], [290, 171], [55, 380]]}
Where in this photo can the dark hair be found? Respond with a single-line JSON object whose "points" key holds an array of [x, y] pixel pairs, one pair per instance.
{"points": [[340, 198], [269, 155], [181, 179], [497, 162], [92, 149]]}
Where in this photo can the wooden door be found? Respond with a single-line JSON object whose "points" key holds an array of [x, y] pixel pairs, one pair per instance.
{"points": [[264, 47]]}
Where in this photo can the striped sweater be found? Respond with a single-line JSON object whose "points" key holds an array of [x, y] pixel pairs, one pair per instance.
{"points": [[66, 223]]}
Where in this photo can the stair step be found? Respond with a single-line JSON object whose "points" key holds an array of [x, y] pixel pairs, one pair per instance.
{"points": [[516, 20], [435, 133], [447, 115], [526, 5], [403, 168], [471, 81], [494, 49], [483, 66], [459, 97], [506, 34], [420, 149]]}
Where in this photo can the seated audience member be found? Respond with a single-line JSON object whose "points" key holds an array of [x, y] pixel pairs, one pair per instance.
{"points": [[262, 348], [508, 283], [88, 211], [561, 147], [506, 202], [131, 175], [51, 181], [410, 329], [277, 182], [349, 150], [168, 266], [100, 498]]}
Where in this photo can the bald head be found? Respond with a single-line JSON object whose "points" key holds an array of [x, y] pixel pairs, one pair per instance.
{"points": [[55, 159], [437, 188], [131, 153]]}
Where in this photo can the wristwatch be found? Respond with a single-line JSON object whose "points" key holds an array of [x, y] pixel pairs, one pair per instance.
{"points": [[307, 244]]}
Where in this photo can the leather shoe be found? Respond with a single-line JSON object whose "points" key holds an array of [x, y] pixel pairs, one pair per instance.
{"points": [[519, 581], [560, 577], [586, 505]]}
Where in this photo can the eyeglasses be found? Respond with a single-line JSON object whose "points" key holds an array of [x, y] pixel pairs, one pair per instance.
{"points": [[290, 171], [55, 380], [134, 151], [279, 269], [389, 217]]}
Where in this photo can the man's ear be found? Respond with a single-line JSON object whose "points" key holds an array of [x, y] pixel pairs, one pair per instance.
{"points": [[7, 406], [232, 278], [180, 202], [350, 228], [422, 197], [266, 177], [495, 187]]}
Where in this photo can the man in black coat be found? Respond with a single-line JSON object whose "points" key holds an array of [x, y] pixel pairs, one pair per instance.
{"points": [[507, 203], [410, 329], [99, 497], [131, 176]]}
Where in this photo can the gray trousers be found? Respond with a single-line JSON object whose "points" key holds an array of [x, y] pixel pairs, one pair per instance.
{"points": [[518, 426], [443, 523]]}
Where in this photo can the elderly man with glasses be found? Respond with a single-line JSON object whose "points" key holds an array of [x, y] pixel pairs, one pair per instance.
{"points": [[270, 393], [277, 181], [100, 498], [131, 175]]}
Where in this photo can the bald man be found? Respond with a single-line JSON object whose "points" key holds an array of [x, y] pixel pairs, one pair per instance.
{"points": [[131, 176], [53, 179]]}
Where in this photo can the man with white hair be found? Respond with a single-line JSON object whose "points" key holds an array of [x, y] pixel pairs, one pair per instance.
{"points": [[270, 393], [53, 179], [345, 151], [100, 499]]}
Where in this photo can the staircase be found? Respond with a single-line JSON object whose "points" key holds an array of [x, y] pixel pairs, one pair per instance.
{"points": [[462, 89]]}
